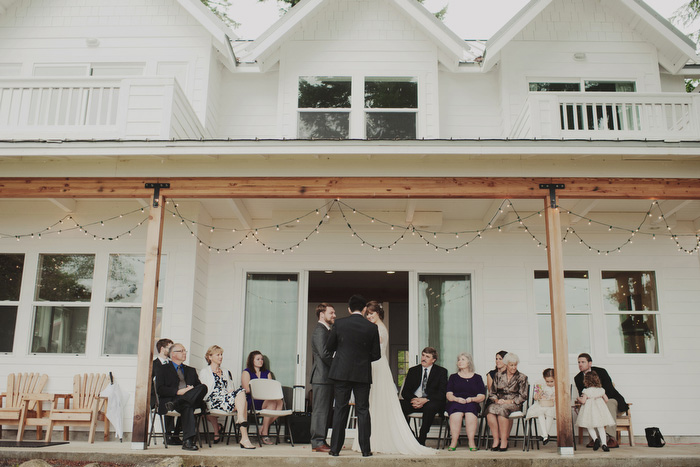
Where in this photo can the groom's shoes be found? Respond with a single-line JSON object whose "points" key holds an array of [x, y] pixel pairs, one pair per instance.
{"points": [[332, 453], [367, 454]]}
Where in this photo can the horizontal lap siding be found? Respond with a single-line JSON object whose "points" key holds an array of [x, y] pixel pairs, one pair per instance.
{"points": [[35, 31], [469, 105]]}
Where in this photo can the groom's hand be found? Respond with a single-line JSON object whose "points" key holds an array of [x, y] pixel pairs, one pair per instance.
{"points": [[418, 402]]}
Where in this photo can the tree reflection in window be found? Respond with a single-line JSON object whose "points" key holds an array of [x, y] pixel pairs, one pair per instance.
{"points": [[631, 291], [324, 93], [394, 96], [65, 278]]}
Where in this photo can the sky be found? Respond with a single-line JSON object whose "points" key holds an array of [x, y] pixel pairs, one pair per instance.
{"points": [[470, 19]]}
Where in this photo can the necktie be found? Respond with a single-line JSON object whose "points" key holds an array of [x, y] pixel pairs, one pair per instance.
{"points": [[425, 381], [181, 375]]}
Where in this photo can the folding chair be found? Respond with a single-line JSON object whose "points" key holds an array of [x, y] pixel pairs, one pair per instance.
{"points": [[269, 389], [199, 420]]}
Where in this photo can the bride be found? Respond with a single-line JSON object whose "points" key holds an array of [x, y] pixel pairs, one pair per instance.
{"points": [[390, 432]]}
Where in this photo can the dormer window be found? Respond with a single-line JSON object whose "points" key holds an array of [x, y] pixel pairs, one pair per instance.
{"points": [[328, 108], [390, 108], [324, 107]]}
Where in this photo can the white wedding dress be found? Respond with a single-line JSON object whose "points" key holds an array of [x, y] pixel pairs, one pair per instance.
{"points": [[390, 432]]}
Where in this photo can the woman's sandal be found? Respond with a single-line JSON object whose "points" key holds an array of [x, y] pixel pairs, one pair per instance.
{"points": [[473, 449], [243, 446], [451, 448], [266, 440]]}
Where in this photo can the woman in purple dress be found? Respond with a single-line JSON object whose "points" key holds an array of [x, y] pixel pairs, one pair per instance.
{"points": [[465, 391], [255, 369]]}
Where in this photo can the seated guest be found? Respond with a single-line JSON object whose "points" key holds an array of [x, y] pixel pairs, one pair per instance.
{"points": [[615, 403], [179, 389], [424, 391], [500, 368], [255, 369], [223, 395], [507, 393], [465, 391], [162, 347]]}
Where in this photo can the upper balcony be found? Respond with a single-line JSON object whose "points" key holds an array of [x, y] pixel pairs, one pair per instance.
{"points": [[609, 116], [96, 108]]}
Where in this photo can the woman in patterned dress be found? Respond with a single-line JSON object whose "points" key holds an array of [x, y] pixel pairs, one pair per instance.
{"points": [[223, 395], [507, 393]]}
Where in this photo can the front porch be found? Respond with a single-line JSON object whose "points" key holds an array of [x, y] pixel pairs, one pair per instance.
{"points": [[283, 455]]}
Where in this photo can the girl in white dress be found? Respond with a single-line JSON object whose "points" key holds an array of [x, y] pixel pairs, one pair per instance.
{"points": [[390, 432], [543, 408], [594, 414]]}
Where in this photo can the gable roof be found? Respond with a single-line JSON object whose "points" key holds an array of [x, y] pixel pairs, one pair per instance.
{"points": [[675, 49], [453, 50]]}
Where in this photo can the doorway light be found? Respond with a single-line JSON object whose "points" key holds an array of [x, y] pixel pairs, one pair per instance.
{"points": [[391, 272], [328, 272]]}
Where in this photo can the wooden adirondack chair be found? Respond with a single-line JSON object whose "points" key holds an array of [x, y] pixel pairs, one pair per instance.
{"points": [[13, 406], [83, 407]]}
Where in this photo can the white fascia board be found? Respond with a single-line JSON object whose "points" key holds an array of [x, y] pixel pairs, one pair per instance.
{"points": [[445, 38], [636, 149], [274, 35], [667, 31], [512, 28]]}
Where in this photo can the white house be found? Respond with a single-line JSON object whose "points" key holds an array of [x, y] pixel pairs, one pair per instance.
{"points": [[358, 146]]}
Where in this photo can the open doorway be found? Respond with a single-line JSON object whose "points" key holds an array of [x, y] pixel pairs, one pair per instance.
{"points": [[388, 288]]}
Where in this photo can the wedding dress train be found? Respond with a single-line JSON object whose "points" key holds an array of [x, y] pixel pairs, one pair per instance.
{"points": [[390, 432]]}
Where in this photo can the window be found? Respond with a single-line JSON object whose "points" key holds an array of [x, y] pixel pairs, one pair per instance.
{"points": [[327, 107], [62, 303], [577, 297], [271, 317], [445, 315], [555, 87], [390, 108], [11, 267], [124, 289], [625, 292], [324, 107]]}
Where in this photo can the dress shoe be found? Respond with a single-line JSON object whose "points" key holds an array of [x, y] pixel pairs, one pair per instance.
{"points": [[174, 440], [321, 448], [545, 441], [332, 453], [367, 454], [189, 445], [605, 448], [503, 449], [596, 444]]}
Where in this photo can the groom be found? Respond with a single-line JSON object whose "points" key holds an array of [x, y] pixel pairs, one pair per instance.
{"points": [[355, 342]]}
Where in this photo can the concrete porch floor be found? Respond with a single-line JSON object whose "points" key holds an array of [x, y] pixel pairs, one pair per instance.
{"points": [[285, 455]]}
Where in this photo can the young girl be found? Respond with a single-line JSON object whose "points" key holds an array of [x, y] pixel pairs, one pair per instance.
{"points": [[594, 414], [543, 408]]}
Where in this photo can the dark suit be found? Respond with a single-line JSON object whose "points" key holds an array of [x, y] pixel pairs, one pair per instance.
{"points": [[167, 383], [436, 393], [355, 342], [157, 365], [321, 386], [616, 403]]}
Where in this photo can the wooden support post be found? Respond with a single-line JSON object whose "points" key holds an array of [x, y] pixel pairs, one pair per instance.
{"points": [[560, 345], [149, 304]]}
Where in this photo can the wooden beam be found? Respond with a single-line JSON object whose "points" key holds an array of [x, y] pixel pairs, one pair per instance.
{"points": [[147, 326], [560, 345], [354, 187]]}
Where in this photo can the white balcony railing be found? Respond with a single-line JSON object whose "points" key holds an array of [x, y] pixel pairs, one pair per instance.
{"points": [[95, 108], [623, 115]]}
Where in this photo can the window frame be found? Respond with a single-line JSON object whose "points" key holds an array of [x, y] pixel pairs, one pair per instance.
{"points": [[357, 112], [36, 303], [107, 305], [14, 303], [656, 313], [540, 312], [581, 82]]}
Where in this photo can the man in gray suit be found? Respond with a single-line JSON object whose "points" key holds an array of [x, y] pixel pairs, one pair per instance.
{"points": [[321, 387]]}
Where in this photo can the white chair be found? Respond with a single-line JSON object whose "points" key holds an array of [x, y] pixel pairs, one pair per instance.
{"points": [[229, 424], [269, 389]]}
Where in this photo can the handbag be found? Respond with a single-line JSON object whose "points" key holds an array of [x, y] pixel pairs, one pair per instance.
{"points": [[654, 437]]}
